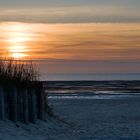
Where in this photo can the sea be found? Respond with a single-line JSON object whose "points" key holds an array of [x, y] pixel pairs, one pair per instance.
{"points": [[98, 107], [94, 86], [90, 77]]}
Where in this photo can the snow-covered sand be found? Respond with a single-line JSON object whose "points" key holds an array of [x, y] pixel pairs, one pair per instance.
{"points": [[97, 118]]}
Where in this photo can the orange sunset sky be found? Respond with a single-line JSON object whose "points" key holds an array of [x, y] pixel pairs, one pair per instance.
{"points": [[73, 37]]}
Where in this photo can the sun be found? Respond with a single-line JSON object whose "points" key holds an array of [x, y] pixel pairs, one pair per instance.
{"points": [[18, 37], [18, 55], [17, 52]]}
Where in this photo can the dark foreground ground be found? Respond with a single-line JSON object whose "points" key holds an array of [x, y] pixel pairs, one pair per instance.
{"points": [[89, 110], [97, 118], [109, 117]]}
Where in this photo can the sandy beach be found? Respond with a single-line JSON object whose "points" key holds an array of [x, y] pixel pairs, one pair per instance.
{"points": [[100, 117], [70, 70], [114, 117]]}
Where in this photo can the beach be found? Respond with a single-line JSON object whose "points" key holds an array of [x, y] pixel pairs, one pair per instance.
{"points": [[101, 118], [81, 113], [70, 70]]}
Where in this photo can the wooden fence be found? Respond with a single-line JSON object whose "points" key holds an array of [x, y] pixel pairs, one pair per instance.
{"points": [[22, 104]]}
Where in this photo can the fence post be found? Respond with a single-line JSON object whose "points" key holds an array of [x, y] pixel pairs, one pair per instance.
{"points": [[41, 102], [33, 110], [2, 109], [25, 107], [20, 105], [14, 105]]}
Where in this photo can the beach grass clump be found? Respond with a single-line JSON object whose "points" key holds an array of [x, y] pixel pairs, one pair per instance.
{"points": [[22, 95], [18, 73]]}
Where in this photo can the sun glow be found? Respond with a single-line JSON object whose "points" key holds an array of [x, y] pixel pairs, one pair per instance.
{"points": [[18, 51], [18, 36], [15, 49], [18, 55], [19, 39]]}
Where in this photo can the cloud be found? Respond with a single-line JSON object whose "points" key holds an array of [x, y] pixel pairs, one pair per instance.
{"points": [[72, 14], [102, 47], [116, 42]]}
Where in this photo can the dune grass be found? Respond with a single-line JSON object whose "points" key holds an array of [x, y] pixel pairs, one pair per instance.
{"points": [[19, 73]]}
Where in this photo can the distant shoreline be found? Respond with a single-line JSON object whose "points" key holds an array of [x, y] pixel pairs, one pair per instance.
{"points": [[89, 81], [92, 87], [91, 77]]}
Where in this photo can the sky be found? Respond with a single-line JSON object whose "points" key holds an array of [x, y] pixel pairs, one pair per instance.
{"points": [[70, 11], [73, 36]]}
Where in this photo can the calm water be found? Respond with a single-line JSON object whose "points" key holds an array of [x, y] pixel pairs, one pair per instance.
{"points": [[90, 77], [92, 89], [93, 86]]}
